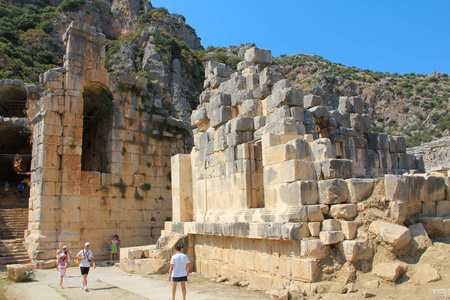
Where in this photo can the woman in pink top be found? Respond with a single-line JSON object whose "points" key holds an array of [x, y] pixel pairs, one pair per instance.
{"points": [[61, 267]]}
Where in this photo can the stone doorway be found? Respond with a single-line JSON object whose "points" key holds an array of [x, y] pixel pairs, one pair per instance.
{"points": [[97, 122]]}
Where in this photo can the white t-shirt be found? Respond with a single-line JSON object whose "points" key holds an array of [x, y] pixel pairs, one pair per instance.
{"points": [[179, 262], [84, 262]]}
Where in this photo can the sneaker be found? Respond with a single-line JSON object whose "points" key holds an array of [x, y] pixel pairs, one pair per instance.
{"points": [[82, 287], [86, 289]]}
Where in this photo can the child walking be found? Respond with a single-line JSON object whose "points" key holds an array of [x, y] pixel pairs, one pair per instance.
{"points": [[62, 265], [114, 245]]}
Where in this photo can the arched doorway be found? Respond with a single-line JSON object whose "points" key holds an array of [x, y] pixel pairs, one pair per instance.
{"points": [[97, 121], [15, 146]]}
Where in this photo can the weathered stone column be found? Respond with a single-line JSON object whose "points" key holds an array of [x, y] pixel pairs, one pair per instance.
{"points": [[182, 206]]}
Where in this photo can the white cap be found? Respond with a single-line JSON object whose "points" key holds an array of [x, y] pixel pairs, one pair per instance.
{"points": [[87, 244], [65, 247], [63, 254]]}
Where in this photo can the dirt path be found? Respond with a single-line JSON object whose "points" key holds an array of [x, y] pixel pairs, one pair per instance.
{"points": [[112, 283]]}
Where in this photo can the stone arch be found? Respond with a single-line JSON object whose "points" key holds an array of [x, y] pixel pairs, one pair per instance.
{"points": [[13, 98], [15, 137], [97, 122]]}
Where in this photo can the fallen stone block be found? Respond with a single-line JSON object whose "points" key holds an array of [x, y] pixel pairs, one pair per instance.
{"points": [[305, 270], [420, 240], [398, 211], [441, 294], [397, 236], [357, 250], [433, 226], [19, 272], [388, 271], [331, 237], [423, 273]]}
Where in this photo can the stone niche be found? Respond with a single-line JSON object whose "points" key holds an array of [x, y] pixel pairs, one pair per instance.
{"points": [[101, 155], [276, 183]]}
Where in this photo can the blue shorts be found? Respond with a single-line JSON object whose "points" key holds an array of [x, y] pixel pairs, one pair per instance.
{"points": [[179, 279]]}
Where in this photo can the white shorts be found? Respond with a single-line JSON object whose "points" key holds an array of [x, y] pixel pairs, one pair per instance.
{"points": [[62, 272]]}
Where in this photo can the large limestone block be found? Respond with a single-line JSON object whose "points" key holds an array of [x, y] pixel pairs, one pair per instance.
{"points": [[269, 76], [420, 240], [323, 149], [303, 192], [397, 236], [357, 250], [19, 272], [397, 144], [443, 208], [433, 189], [288, 96], [357, 104], [311, 101], [337, 168], [314, 228], [294, 231], [315, 213], [278, 154], [313, 248], [331, 237], [302, 148], [242, 124], [349, 228], [296, 169], [199, 116], [331, 225], [403, 188], [433, 226], [305, 270], [359, 189], [282, 84], [252, 108], [219, 100], [343, 211], [258, 56], [398, 211], [388, 271], [332, 191], [240, 97], [282, 112], [423, 273], [284, 126], [220, 115]]}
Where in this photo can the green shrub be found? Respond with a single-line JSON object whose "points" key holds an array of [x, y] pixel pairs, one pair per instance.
{"points": [[434, 118], [377, 129], [71, 5], [405, 109], [415, 102]]}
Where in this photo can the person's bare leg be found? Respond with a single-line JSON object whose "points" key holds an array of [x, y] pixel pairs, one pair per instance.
{"points": [[183, 289], [174, 289], [110, 256], [61, 281]]}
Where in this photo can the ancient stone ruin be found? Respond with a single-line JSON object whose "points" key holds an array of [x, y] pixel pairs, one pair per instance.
{"points": [[101, 155], [280, 189]]}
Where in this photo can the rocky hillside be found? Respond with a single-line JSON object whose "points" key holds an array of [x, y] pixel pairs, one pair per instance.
{"points": [[152, 43], [411, 104], [147, 41]]}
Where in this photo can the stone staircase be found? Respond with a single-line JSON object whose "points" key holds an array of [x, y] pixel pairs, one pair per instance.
{"points": [[13, 223]]}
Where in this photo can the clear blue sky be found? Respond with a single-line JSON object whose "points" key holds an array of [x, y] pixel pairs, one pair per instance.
{"points": [[381, 35]]}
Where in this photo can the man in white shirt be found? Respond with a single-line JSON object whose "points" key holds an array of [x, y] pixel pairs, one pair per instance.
{"points": [[86, 257], [179, 271]]}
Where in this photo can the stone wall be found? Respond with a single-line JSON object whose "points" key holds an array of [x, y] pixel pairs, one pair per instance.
{"points": [[280, 189], [117, 181]]}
